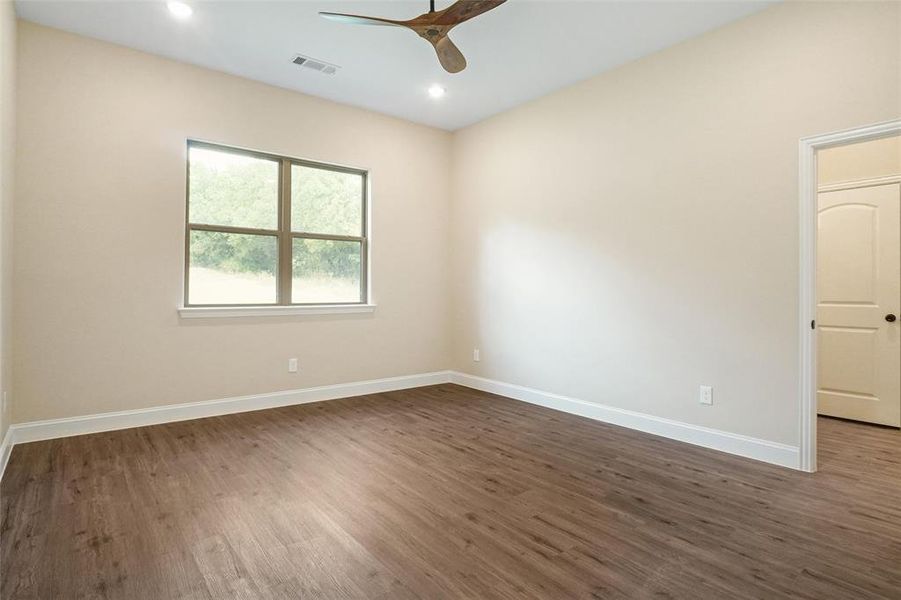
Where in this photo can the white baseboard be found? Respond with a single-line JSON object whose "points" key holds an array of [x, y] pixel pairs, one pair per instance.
{"points": [[57, 428], [6, 448], [763, 450], [771, 452]]}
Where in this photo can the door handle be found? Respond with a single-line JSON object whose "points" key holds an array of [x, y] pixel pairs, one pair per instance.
{"points": [[890, 318]]}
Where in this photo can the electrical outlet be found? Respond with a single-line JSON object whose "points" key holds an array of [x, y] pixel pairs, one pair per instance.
{"points": [[476, 355], [706, 396], [292, 365]]}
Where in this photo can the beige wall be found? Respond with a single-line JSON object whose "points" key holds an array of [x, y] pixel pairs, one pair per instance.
{"points": [[864, 160], [621, 241], [634, 236], [99, 235], [7, 190]]}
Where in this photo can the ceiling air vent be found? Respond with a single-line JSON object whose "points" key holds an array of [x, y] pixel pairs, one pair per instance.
{"points": [[315, 64]]}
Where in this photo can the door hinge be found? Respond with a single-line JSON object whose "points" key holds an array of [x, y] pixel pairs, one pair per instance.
{"points": [[813, 324]]}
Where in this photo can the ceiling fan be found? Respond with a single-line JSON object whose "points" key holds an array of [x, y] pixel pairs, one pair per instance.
{"points": [[432, 26]]}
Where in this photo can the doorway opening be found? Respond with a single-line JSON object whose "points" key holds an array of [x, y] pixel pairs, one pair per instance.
{"points": [[850, 283]]}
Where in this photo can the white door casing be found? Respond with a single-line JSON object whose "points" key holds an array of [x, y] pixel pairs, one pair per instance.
{"points": [[807, 302]]}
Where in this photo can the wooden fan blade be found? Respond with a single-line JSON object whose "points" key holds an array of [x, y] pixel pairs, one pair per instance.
{"points": [[464, 10], [449, 55], [360, 19]]}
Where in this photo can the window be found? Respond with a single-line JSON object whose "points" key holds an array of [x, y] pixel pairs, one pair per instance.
{"points": [[265, 230]]}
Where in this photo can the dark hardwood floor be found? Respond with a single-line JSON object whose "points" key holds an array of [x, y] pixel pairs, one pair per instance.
{"points": [[443, 492]]}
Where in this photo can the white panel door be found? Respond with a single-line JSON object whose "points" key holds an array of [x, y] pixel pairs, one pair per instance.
{"points": [[859, 297]]}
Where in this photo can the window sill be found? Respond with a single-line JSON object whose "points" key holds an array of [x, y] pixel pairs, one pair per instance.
{"points": [[205, 312]]}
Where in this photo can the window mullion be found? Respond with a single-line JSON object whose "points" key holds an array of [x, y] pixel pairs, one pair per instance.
{"points": [[284, 234], [326, 236], [231, 229]]}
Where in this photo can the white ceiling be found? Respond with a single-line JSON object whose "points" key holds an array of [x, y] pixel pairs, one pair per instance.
{"points": [[518, 51]]}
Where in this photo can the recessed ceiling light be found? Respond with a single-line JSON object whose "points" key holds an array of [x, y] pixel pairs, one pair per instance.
{"points": [[179, 10], [436, 91]]}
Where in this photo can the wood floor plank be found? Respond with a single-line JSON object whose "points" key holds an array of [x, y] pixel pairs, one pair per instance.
{"points": [[443, 492]]}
